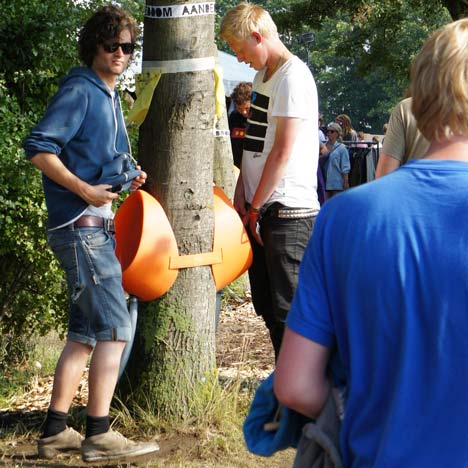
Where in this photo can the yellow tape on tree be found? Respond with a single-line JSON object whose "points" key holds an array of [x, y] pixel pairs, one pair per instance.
{"points": [[145, 85], [220, 102]]}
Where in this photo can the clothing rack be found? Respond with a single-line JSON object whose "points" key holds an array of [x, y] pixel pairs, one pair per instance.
{"points": [[363, 156]]}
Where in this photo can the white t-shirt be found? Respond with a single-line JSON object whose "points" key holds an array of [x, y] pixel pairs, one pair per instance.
{"points": [[290, 92]]}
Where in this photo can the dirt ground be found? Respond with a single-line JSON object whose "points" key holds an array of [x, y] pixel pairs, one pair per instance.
{"points": [[243, 349]]}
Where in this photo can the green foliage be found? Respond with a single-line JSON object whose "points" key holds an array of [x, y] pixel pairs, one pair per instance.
{"points": [[388, 35], [31, 296], [361, 61], [366, 98], [381, 34], [38, 46], [362, 52]]}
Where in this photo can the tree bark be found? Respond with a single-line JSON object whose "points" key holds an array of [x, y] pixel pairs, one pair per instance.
{"points": [[174, 350], [223, 175]]}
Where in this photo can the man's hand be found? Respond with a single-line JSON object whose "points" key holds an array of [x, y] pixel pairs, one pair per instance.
{"points": [[345, 182], [251, 218], [97, 195], [138, 181]]}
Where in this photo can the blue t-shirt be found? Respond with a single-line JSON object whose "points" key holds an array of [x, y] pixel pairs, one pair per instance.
{"points": [[385, 279]]}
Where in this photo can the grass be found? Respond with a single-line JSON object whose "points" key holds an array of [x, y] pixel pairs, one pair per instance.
{"points": [[12, 382], [34, 358], [211, 438], [215, 421], [46, 353]]}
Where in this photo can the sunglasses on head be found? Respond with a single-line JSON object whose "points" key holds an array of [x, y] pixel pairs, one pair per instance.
{"points": [[127, 47]]}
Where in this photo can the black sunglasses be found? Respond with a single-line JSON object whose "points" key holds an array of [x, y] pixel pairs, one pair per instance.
{"points": [[332, 131], [127, 47]]}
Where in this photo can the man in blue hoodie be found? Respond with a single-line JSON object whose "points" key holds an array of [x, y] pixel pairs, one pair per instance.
{"points": [[82, 132]]}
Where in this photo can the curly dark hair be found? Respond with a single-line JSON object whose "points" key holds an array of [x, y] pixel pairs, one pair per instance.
{"points": [[104, 26], [242, 92]]}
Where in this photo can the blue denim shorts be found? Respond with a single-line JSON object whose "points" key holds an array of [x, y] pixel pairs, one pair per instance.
{"points": [[98, 307]]}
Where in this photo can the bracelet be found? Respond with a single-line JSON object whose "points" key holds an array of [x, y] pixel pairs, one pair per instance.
{"points": [[254, 210]]}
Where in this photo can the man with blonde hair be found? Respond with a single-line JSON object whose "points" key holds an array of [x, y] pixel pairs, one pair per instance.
{"points": [[276, 192], [402, 342]]}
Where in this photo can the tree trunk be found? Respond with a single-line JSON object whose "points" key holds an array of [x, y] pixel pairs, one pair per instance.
{"points": [[223, 174], [174, 351]]}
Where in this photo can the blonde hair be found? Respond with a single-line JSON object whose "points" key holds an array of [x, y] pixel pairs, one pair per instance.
{"points": [[346, 119], [244, 19], [439, 83]]}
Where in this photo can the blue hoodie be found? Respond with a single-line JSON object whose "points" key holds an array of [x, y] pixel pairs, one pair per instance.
{"points": [[84, 127]]}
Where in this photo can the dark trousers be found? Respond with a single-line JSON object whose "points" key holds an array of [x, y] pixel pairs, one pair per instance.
{"points": [[275, 269]]}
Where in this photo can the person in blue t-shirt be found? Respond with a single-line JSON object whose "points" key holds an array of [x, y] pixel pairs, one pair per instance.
{"points": [[395, 305], [336, 165]]}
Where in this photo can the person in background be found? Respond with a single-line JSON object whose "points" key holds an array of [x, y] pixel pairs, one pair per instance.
{"points": [[276, 192], [348, 132], [402, 140], [82, 131], [322, 130], [336, 166], [376, 141], [384, 131], [402, 343], [361, 137], [321, 191], [238, 119]]}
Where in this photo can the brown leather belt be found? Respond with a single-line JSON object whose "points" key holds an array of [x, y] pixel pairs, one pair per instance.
{"points": [[94, 221]]}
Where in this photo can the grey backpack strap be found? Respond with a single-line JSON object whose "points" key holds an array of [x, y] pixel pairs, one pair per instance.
{"points": [[319, 444]]}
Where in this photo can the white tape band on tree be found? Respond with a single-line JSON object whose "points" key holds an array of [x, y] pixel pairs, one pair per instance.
{"points": [[179, 11], [179, 66]]}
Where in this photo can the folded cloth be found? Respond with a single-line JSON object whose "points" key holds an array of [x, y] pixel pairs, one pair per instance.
{"points": [[263, 410], [119, 172], [319, 444]]}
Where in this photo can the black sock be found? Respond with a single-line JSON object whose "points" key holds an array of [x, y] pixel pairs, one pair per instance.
{"points": [[55, 422], [96, 425]]}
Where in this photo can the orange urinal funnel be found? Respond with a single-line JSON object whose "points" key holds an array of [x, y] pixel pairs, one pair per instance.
{"points": [[144, 243], [229, 236]]}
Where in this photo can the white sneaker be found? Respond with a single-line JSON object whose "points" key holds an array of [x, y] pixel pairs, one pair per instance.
{"points": [[112, 445], [65, 441]]}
